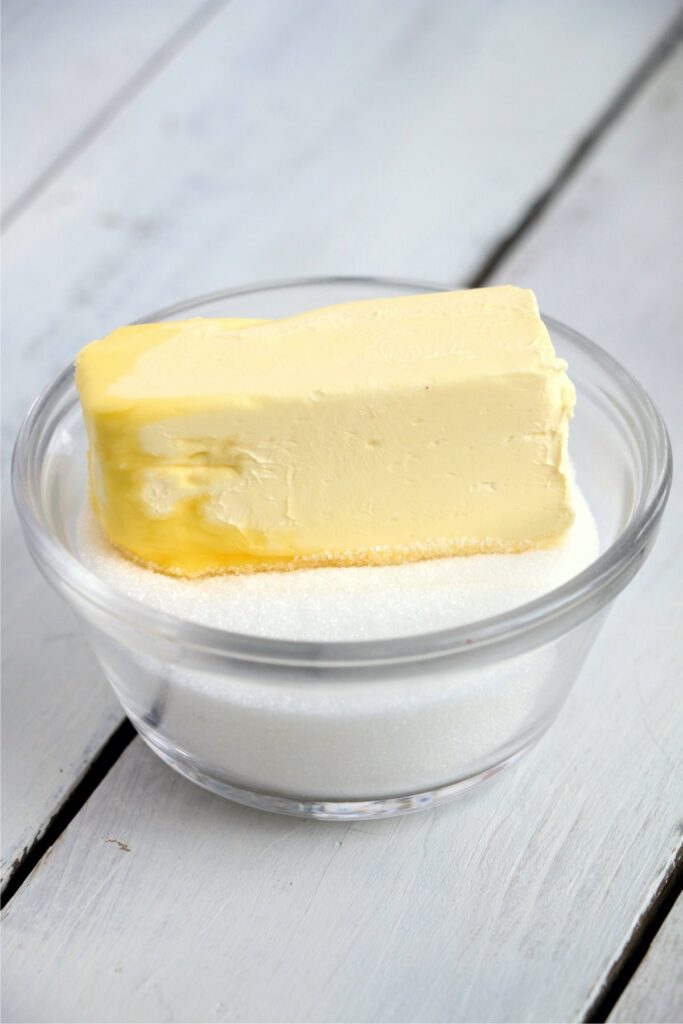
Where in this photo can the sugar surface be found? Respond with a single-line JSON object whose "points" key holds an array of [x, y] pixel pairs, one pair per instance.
{"points": [[351, 603]]}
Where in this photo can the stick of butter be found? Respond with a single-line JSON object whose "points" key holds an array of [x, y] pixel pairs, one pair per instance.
{"points": [[372, 432]]}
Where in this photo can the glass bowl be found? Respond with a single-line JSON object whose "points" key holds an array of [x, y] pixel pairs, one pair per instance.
{"points": [[357, 728]]}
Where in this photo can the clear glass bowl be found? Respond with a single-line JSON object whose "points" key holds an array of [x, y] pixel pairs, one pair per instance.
{"points": [[352, 729]]}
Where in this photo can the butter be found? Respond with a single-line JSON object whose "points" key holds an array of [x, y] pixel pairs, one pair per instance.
{"points": [[366, 433]]}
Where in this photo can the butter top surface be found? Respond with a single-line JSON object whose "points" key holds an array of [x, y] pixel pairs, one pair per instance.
{"points": [[382, 343], [370, 432]]}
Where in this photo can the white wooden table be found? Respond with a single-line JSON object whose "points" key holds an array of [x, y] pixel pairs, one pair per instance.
{"points": [[155, 149]]}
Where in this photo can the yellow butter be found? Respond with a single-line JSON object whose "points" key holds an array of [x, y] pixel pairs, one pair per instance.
{"points": [[369, 432]]}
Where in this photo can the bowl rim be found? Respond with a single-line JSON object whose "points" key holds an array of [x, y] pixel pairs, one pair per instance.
{"points": [[593, 587]]}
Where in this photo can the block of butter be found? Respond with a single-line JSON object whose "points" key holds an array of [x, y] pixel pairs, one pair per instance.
{"points": [[372, 432]]}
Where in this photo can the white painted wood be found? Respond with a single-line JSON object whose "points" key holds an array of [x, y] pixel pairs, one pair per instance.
{"points": [[407, 146], [65, 66], [511, 904], [261, 150], [63, 63], [606, 259], [57, 710], [655, 993]]}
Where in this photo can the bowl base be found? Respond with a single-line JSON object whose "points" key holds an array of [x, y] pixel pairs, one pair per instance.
{"points": [[327, 810]]}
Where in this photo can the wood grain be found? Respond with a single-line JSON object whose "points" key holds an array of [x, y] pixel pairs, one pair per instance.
{"points": [[511, 904], [655, 991], [66, 66]]}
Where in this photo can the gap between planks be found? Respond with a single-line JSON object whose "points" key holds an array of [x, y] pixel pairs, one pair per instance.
{"points": [[667, 44], [638, 944], [145, 74], [105, 759]]}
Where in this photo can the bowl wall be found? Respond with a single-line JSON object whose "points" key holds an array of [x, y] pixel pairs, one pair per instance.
{"points": [[353, 729]]}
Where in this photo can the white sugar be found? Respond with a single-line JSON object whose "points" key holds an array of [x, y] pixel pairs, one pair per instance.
{"points": [[307, 734], [352, 603]]}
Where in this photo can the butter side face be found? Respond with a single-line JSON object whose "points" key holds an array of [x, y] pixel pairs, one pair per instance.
{"points": [[372, 432]]}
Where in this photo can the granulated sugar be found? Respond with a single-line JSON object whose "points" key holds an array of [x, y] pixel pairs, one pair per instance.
{"points": [[351, 603], [307, 733]]}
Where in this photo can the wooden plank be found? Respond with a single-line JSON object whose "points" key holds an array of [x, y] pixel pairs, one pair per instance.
{"points": [[289, 156], [513, 903], [65, 64], [91, 60], [656, 990], [604, 259], [196, 206], [52, 689]]}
